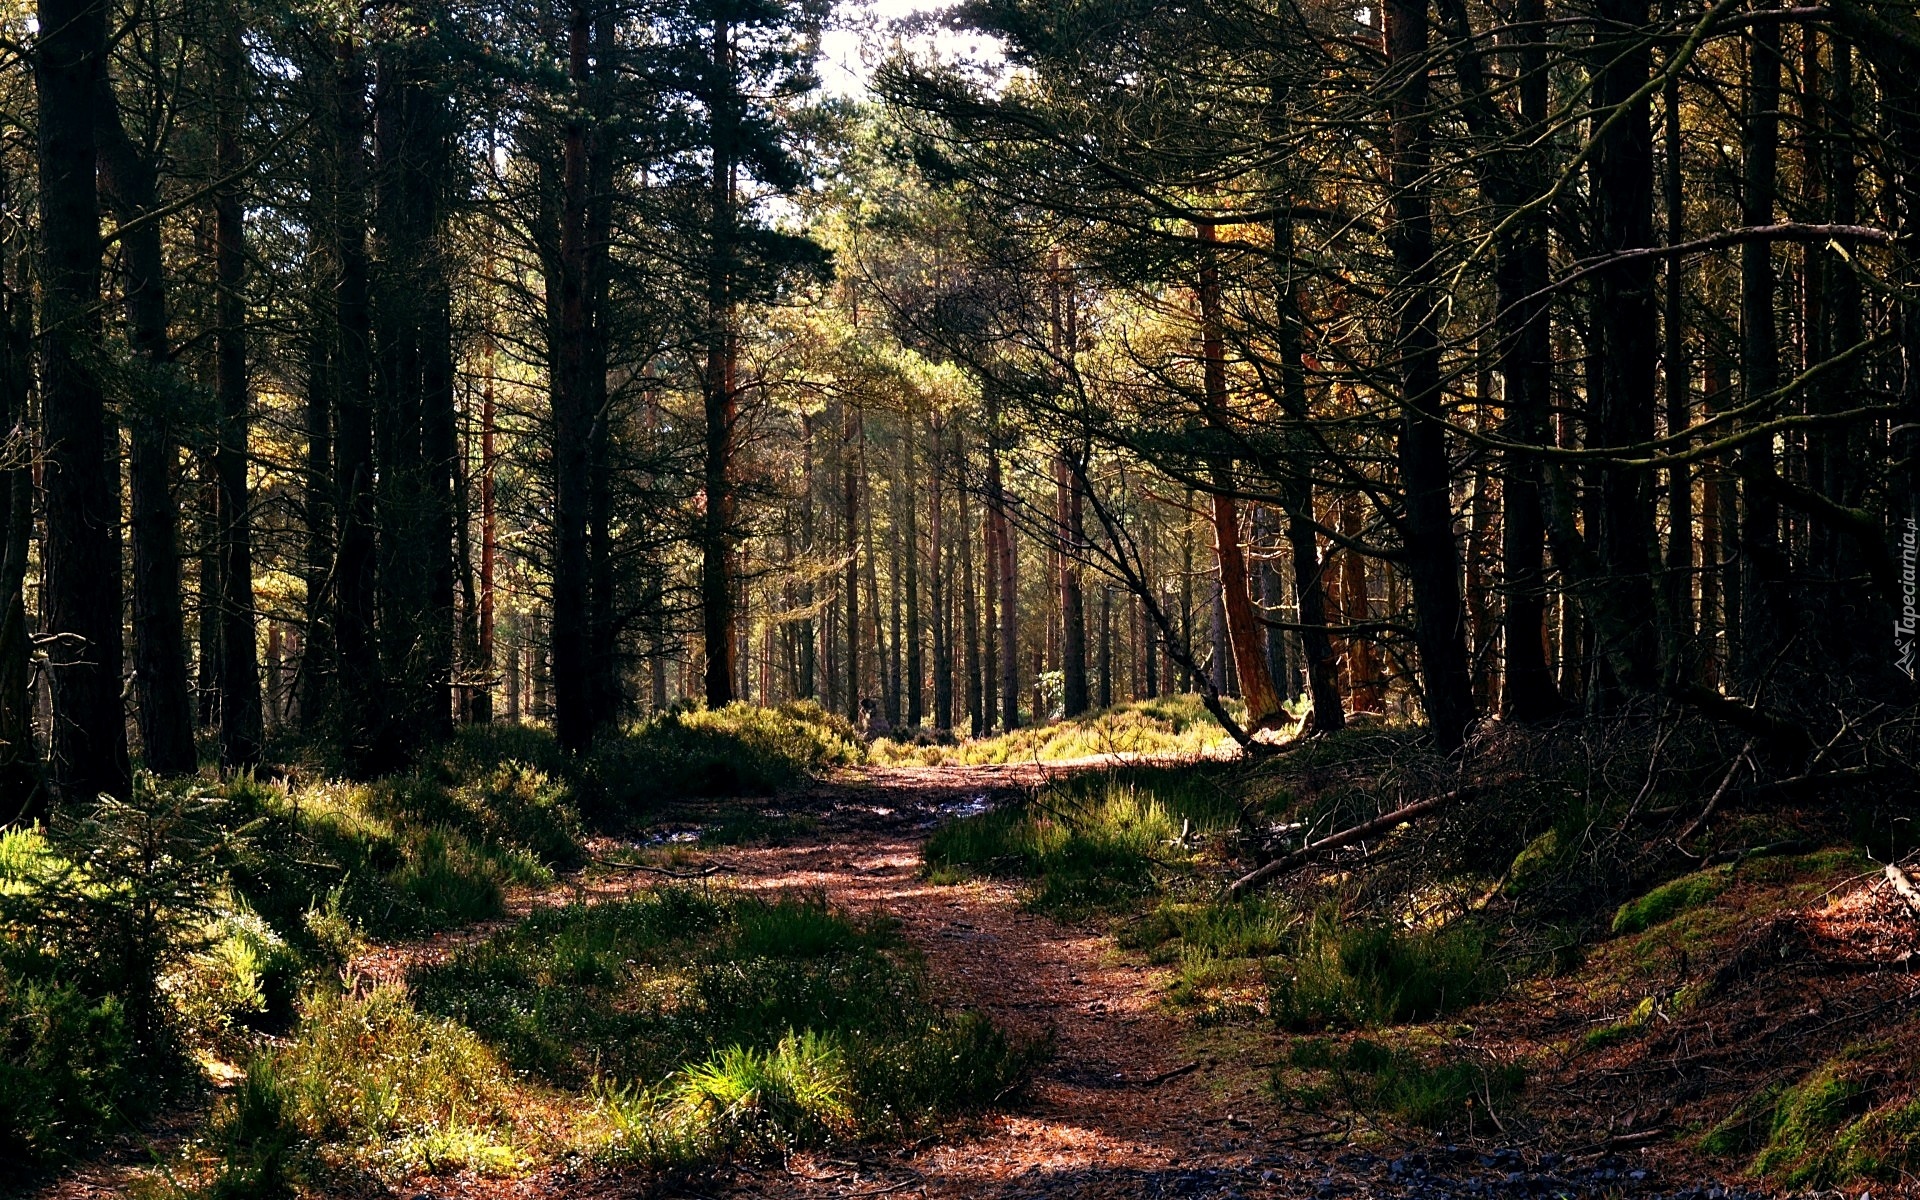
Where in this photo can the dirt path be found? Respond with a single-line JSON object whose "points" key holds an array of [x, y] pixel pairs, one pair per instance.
{"points": [[1129, 1106]]}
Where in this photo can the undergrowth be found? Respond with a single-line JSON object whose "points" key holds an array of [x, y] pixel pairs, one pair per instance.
{"points": [[706, 1023], [741, 749], [1448, 1094], [190, 921]]}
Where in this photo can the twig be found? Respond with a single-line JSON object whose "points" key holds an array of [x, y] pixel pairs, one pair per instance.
{"points": [[1164, 1076], [1345, 837], [1713, 803], [702, 873]]}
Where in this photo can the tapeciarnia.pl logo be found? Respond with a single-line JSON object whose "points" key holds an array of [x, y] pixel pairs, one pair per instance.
{"points": [[1904, 630]]}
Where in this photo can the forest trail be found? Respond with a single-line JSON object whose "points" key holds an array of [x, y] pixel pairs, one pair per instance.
{"points": [[1131, 1103], [1134, 1102]]}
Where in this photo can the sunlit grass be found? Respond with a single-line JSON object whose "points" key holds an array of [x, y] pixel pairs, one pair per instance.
{"points": [[1088, 843], [1171, 725]]}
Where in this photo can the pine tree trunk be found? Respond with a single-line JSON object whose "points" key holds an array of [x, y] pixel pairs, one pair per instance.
{"points": [[1236, 598], [571, 357], [164, 707], [242, 727], [937, 590], [970, 620], [1764, 607], [809, 679], [1625, 351], [363, 709], [720, 387], [19, 760], [1004, 565], [318, 670], [852, 434], [1677, 654], [81, 555], [1073, 606], [1432, 559]]}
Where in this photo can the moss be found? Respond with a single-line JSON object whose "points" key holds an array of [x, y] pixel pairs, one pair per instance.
{"points": [[1670, 899], [1534, 864], [1800, 1143], [1620, 1030]]}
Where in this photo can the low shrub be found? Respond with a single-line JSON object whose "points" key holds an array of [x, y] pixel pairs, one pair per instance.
{"points": [[94, 912], [369, 1080], [67, 1069], [1168, 725]]}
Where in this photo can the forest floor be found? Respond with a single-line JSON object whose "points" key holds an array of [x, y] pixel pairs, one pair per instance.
{"points": [[1136, 1100]]}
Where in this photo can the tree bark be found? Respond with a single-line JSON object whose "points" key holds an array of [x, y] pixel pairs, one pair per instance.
{"points": [[1001, 531], [1243, 627], [970, 619], [242, 728], [914, 684], [1625, 348], [164, 712], [82, 590], [1432, 559], [1073, 606], [19, 760], [364, 709], [1764, 609], [570, 362]]}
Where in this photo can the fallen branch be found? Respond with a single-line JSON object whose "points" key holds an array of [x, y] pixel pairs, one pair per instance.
{"points": [[1164, 1076], [1346, 837], [1903, 888], [702, 873], [1713, 803]]}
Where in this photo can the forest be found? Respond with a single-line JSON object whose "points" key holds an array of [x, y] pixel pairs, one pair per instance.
{"points": [[1011, 598]]}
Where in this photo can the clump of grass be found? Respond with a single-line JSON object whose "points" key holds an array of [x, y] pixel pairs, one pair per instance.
{"points": [[1374, 1078], [370, 1081], [1346, 975], [1218, 950], [707, 1022], [1670, 899], [1169, 725], [742, 749], [1090, 843]]}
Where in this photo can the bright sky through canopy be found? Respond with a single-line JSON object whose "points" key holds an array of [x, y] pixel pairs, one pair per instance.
{"points": [[861, 34]]}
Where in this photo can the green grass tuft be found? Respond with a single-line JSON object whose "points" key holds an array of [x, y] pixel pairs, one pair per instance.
{"points": [[1375, 1078], [706, 1023], [1356, 976], [1089, 843]]}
